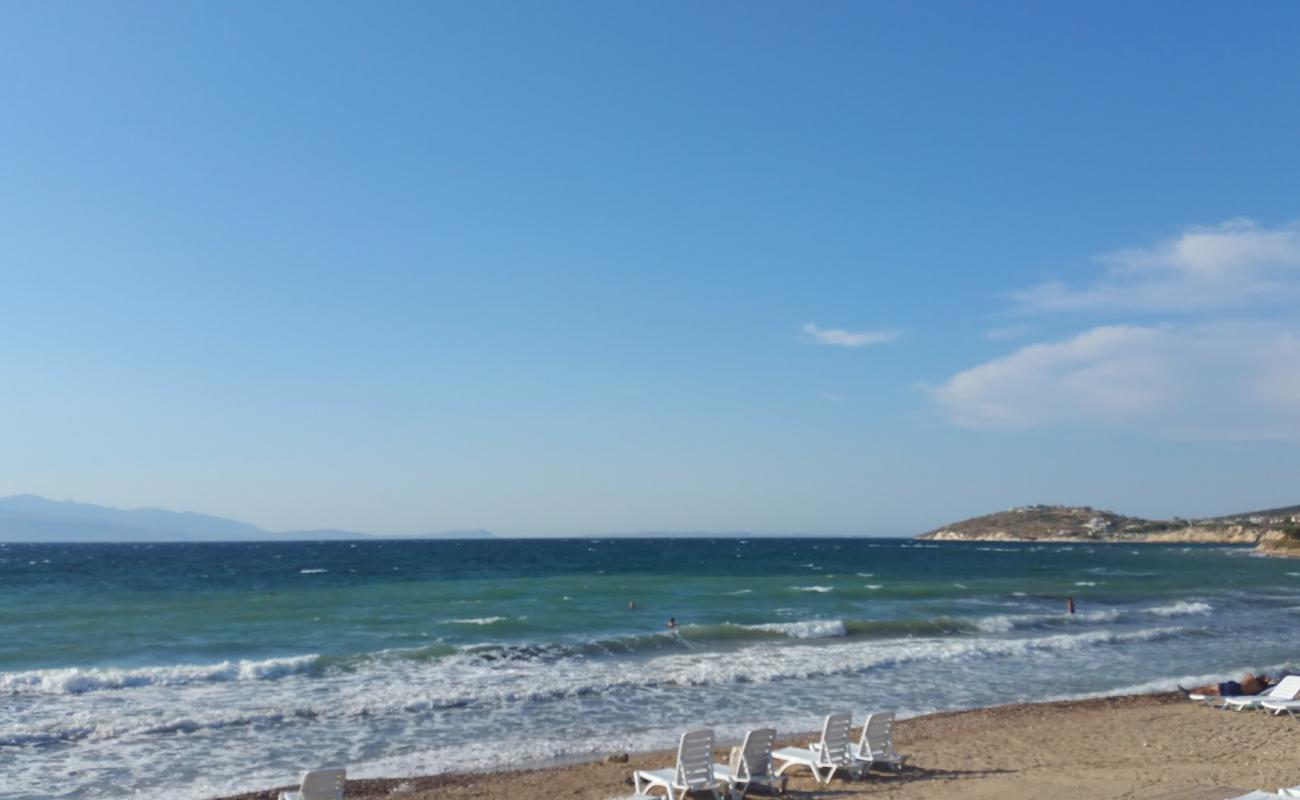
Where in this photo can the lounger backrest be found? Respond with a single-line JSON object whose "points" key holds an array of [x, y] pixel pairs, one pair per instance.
{"points": [[695, 760], [1286, 689], [323, 784], [878, 734], [755, 755], [835, 739]]}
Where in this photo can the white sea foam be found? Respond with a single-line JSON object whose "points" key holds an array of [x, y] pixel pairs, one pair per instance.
{"points": [[216, 728], [311, 571], [810, 629], [1180, 608], [874, 586], [480, 620], [399, 687], [813, 588], [1001, 623], [76, 680]]}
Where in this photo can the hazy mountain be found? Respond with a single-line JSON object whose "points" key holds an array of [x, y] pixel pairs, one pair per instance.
{"points": [[28, 518]]}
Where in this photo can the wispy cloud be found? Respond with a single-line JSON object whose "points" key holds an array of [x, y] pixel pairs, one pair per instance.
{"points": [[1220, 381], [843, 338], [1204, 267]]}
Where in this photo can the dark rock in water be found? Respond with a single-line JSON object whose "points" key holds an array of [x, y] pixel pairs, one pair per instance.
{"points": [[616, 758]]}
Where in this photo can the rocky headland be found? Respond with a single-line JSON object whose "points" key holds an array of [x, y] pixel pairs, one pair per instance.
{"points": [[1274, 531]]}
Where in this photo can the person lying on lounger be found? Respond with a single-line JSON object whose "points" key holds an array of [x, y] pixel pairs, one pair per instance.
{"points": [[1248, 685]]}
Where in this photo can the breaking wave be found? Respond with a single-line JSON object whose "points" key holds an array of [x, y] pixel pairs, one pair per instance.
{"points": [[76, 680]]}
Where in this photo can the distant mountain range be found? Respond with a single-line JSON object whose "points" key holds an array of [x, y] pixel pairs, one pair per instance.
{"points": [[28, 518]]}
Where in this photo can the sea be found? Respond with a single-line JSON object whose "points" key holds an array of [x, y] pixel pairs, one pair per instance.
{"points": [[196, 670]]}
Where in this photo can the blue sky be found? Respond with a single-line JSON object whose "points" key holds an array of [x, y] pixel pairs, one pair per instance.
{"points": [[588, 268]]}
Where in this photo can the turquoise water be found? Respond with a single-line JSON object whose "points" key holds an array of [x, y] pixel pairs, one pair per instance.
{"points": [[193, 670]]}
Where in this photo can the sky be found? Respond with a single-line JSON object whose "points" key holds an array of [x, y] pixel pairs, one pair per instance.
{"points": [[587, 268]]}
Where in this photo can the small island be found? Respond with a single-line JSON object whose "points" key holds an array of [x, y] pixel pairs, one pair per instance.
{"points": [[1274, 531]]}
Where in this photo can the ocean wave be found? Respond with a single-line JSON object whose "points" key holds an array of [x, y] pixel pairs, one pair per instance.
{"points": [[15, 736], [810, 629], [1002, 623], [813, 588], [464, 686], [1180, 608], [718, 639], [396, 688], [78, 680]]}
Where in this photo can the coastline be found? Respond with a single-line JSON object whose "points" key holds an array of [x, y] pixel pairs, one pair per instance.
{"points": [[1270, 543], [1148, 745]]}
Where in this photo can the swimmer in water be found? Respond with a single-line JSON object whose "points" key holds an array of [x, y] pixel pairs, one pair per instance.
{"points": [[631, 605], [672, 623]]}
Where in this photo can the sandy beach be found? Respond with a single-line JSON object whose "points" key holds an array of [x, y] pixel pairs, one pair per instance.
{"points": [[1148, 746]]}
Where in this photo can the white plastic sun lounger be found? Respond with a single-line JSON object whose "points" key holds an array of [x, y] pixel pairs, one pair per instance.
{"points": [[1260, 794], [750, 764], [830, 753], [877, 743], [319, 784], [693, 773], [1279, 707], [1286, 689]]}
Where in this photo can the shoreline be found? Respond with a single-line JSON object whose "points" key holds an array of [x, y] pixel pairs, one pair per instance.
{"points": [[1104, 747]]}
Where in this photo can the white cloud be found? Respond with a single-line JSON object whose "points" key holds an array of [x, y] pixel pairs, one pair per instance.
{"points": [[1223, 381], [1204, 267], [842, 338]]}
